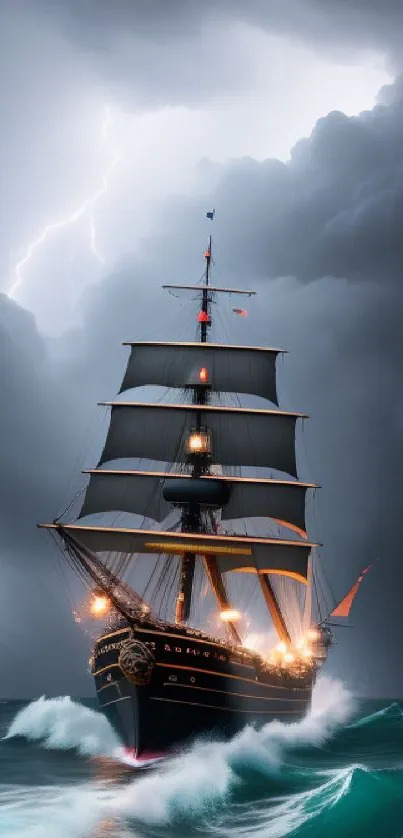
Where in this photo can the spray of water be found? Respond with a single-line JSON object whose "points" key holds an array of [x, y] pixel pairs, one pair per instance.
{"points": [[209, 772], [198, 781], [63, 724]]}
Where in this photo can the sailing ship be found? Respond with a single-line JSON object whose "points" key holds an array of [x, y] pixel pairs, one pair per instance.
{"points": [[164, 673]]}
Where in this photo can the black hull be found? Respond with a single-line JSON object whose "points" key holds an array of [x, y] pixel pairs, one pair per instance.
{"points": [[185, 685]]}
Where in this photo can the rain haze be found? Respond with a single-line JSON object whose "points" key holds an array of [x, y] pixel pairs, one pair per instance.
{"points": [[121, 124]]}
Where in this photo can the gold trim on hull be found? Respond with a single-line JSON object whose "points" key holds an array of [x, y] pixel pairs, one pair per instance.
{"points": [[227, 675], [255, 681], [228, 709], [115, 701], [225, 692], [175, 636]]}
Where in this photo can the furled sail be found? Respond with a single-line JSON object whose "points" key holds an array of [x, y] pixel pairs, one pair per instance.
{"points": [[232, 553], [236, 369], [343, 608], [141, 492], [240, 436]]}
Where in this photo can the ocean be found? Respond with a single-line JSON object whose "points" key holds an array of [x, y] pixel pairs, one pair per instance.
{"points": [[339, 772]]}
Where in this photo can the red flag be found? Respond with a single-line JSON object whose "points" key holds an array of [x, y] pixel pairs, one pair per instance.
{"points": [[242, 312], [343, 608]]}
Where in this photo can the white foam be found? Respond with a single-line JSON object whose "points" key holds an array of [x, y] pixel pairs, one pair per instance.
{"points": [[187, 785], [332, 705], [60, 723], [50, 812]]}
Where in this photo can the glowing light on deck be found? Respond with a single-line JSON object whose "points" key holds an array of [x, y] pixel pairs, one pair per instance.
{"points": [[284, 655], [100, 606], [230, 615], [289, 657]]}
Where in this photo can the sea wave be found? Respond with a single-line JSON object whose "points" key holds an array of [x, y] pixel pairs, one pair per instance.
{"points": [[318, 777], [203, 786], [64, 724], [391, 712]]}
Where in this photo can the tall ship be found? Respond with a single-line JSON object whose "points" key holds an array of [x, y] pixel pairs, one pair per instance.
{"points": [[192, 527]]}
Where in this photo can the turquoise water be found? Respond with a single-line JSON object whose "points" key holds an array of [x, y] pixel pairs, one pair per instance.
{"points": [[339, 772]]}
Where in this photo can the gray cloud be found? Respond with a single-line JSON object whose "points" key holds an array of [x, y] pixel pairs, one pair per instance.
{"points": [[39, 434], [46, 113], [163, 53]]}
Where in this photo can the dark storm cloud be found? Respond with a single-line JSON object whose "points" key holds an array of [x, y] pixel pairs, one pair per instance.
{"points": [[180, 19], [186, 50], [50, 428], [39, 434], [332, 218], [336, 208]]}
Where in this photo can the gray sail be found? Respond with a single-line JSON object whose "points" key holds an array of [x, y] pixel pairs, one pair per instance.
{"points": [[241, 437], [141, 492], [232, 553], [231, 369]]}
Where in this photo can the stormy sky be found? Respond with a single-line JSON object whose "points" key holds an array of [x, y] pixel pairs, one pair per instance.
{"points": [[288, 118]]}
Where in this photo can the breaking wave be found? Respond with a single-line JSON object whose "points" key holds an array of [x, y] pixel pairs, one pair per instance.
{"points": [[311, 778], [63, 724]]}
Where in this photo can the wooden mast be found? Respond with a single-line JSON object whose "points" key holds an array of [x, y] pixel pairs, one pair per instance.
{"points": [[274, 608], [220, 593], [191, 517]]}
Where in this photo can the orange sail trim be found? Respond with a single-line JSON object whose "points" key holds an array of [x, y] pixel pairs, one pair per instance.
{"points": [[344, 607], [301, 532]]}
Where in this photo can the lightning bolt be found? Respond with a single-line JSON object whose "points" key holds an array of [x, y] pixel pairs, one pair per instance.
{"points": [[85, 210]]}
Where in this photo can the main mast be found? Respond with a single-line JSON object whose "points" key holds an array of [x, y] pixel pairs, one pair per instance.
{"points": [[191, 517]]}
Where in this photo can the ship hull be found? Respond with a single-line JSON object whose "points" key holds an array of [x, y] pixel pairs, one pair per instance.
{"points": [[162, 687]]}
